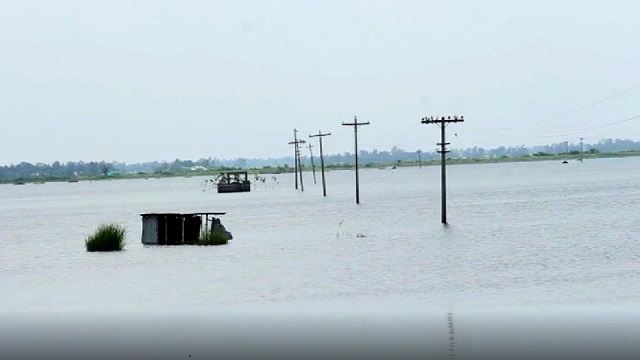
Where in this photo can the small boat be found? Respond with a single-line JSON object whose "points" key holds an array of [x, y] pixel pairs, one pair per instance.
{"points": [[565, 162]]}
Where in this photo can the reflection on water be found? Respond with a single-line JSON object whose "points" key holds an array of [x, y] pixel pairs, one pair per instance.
{"points": [[452, 338]]}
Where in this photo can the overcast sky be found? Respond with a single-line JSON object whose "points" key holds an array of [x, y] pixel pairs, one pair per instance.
{"points": [[157, 80]]}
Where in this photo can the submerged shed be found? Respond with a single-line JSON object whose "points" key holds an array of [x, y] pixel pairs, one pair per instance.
{"points": [[234, 181], [179, 229]]}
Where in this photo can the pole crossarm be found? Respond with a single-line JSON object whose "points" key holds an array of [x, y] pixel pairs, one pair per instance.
{"points": [[356, 123], [320, 134], [442, 119]]}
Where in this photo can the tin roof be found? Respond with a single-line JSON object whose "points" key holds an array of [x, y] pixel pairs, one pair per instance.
{"points": [[182, 214]]}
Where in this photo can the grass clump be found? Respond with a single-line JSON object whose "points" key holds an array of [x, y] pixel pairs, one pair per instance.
{"points": [[108, 237], [213, 237]]}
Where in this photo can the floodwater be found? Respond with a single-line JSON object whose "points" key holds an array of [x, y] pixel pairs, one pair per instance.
{"points": [[537, 234]]}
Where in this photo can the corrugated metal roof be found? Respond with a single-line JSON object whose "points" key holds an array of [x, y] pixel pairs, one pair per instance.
{"points": [[183, 214]]}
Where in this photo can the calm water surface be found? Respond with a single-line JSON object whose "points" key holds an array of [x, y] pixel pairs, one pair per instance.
{"points": [[539, 233]]}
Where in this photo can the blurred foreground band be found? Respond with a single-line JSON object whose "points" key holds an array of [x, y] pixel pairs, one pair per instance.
{"points": [[316, 333]]}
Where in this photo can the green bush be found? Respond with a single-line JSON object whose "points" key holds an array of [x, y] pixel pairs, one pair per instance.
{"points": [[108, 237], [212, 237]]}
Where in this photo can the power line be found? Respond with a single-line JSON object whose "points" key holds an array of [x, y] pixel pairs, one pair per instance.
{"points": [[584, 107], [588, 130]]}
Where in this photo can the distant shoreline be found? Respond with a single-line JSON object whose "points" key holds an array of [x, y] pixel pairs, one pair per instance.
{"points": [[287, 169]]}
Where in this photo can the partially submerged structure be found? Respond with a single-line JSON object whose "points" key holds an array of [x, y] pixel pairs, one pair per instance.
{"points": [[233, 181], [179, 229]]}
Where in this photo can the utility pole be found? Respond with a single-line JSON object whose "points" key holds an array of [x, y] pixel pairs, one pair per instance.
{"points": [[419, 158], [300, 165], [355, 125], [313, 166], [296, 156], [442, 122], [320, 136], [581, 149]]}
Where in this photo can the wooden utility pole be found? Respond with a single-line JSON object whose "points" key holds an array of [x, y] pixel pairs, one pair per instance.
{"points": [[442, 122], [296, 156], [300, 165], [313, 166], [355, 125], [419, 158], [320, 136], [581, 156]]}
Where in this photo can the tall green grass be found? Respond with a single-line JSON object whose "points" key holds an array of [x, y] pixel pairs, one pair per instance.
{"points": [[108, 237], [212, 237]]}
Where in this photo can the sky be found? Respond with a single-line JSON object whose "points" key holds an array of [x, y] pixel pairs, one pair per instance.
{"points": [[137, 81]]}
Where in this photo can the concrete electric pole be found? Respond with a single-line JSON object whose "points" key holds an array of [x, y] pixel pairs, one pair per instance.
{"points": [[355, 125], [442, 122]]}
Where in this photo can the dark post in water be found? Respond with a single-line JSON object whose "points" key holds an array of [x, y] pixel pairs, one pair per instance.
{"points": [[300, 165], [296, 156], [442, 123], [313, 166], [320, 136], [355, 125]]}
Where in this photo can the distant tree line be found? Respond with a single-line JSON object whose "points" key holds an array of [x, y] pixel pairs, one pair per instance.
{"points": [[55, 170], [395, 155]]}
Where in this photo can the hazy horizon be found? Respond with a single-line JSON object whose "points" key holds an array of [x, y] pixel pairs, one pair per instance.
{"points": [[153, 81], [603, 145]]}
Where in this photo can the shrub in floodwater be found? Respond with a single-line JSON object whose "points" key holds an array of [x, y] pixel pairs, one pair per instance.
{"points": [[108, 237], [213, 237]]}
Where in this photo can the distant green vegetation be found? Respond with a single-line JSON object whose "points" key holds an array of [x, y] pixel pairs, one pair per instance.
{"points": [[212, 237], [24, 173], [540, 156], [504, 158], [108, 237]]}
